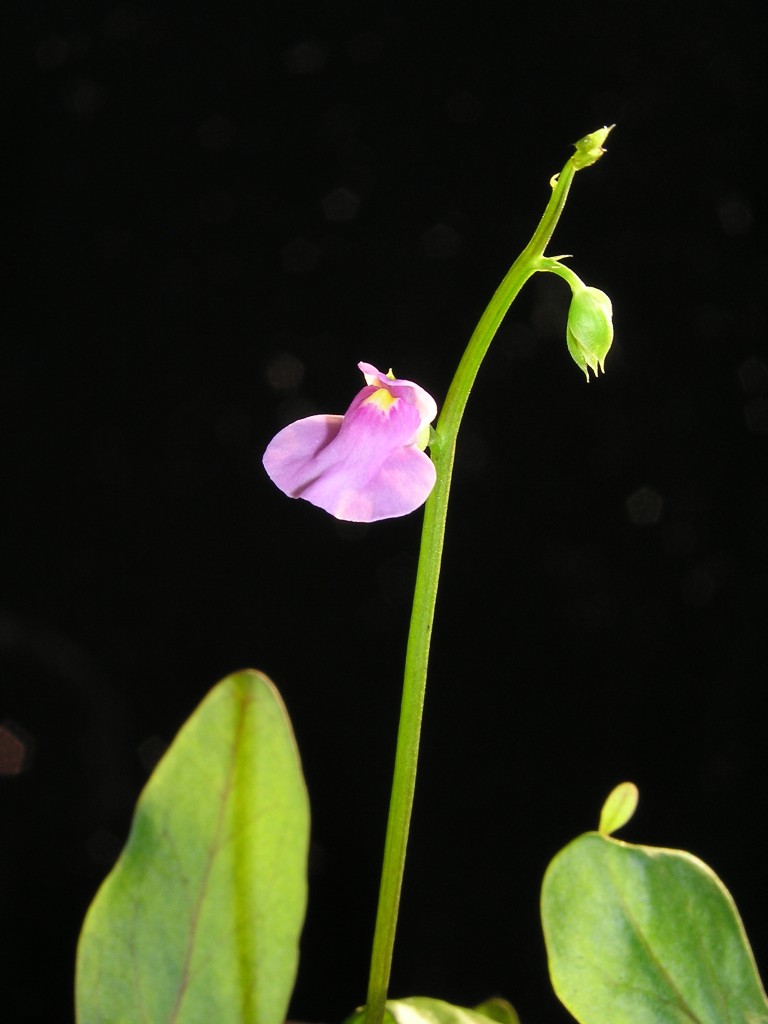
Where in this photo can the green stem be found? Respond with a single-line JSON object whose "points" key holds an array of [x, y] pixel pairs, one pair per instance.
{"points": [[443, 447]]}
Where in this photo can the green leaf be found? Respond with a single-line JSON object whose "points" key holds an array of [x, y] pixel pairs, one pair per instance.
{"points": [[618, 808], [423, 1010], [199, 920], [640, 935], [499, 1010]]}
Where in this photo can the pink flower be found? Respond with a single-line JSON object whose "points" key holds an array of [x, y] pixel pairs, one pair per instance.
{"points": [[366, 465]]}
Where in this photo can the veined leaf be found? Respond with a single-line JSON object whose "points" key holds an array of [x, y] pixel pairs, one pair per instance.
{"points": [[199, 920], [640, 935]]}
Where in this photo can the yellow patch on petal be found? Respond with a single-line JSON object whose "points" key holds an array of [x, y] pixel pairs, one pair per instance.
{"points": [[383, 399]]}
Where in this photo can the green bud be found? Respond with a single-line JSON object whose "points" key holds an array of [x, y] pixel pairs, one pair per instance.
{"points": [[590, 148], [590, 328]]}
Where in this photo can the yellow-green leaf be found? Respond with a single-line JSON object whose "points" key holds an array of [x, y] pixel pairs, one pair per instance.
{"points": [[618, 808], [425, 1010]]}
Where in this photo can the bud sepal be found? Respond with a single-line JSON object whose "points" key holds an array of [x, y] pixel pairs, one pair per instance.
{"points": [[589, 333]]}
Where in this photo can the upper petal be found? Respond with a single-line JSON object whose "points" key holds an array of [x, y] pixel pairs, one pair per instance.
{"points": [[405, 389]]}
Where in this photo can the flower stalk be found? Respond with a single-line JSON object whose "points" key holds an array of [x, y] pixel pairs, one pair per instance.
{"points": [[443, 447]]}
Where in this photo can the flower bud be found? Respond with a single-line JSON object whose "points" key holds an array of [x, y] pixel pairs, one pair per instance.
{"points": [[590, 329], [590, 148]]}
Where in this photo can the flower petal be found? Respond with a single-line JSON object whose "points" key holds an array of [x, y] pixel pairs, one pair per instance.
{"points": [[403, 483], [290, 456]]}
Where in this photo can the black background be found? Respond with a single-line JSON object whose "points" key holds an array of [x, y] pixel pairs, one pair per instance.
{"points": [[222, 210]]}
